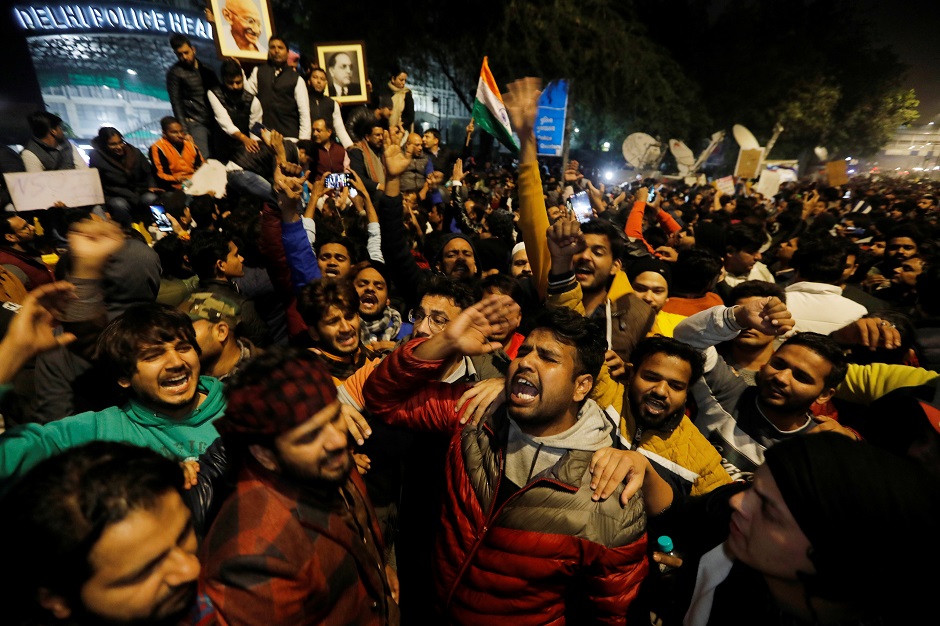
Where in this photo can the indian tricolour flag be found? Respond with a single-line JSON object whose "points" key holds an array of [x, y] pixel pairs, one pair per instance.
{"points": [[489, 112]]}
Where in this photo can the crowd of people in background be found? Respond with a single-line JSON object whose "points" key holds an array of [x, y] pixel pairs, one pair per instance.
{"points": [[382, 380]]}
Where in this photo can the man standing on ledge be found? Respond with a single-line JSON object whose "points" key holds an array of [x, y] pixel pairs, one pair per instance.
{"points": [[187, 83], [282, 92]]}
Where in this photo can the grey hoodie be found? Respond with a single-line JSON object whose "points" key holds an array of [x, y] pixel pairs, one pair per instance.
{"points": [[528, 456]]}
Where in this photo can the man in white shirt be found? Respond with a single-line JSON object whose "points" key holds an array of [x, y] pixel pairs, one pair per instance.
{"points": [[49, 149], [282, 92]]}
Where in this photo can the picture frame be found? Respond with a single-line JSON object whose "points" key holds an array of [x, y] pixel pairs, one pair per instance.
{"points": [[241, 28], [351, 70]]}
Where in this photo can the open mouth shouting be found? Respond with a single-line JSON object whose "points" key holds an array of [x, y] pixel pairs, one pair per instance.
{"points": [[583, 270], [523, 392], [331, 271], [654, 406], [176, 383]]}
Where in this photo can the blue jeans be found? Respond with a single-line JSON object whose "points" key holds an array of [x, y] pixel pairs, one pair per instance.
{"points": [[200, 133], [251, 184]]}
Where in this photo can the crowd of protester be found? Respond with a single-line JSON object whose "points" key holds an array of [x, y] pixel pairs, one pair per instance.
{"points": [[382, 380]]}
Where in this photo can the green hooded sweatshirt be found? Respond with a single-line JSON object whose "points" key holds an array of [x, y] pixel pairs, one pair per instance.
{"points": [[24, 446]]}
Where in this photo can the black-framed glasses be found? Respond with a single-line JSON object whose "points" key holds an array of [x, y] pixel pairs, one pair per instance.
{"points": [[435, 320]]}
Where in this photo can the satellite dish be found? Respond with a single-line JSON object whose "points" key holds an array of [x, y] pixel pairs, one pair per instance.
{"points": [[685, 160], [641, 151], [745, 138], [821, 153]]}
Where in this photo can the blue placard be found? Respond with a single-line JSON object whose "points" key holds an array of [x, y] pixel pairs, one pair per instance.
{"points": [[550, 120]]}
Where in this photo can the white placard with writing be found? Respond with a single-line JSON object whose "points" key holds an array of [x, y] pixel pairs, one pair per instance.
{"points": [[725, 185], [41, 190]]}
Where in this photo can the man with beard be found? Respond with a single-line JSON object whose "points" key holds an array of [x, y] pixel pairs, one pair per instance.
{"points": [[742, 421], [19, 255], [519, 262], [655, 423], [520, 512], [282, 93], [236, 112], [365, 158], [49, 149], [297, 542], [330, 309], [187, 83], [112, 519], [152, 352], [174, 156], [380, 322], [457, 258]]}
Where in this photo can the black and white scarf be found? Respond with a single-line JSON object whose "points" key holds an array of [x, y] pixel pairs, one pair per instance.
{"points": [[384, 328]]}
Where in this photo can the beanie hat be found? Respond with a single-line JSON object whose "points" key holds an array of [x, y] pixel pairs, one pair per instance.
{"points": [[283, 398], [649, 264]]}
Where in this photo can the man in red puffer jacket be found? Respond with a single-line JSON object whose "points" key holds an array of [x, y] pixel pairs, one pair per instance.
{"points": [[523, 535]]}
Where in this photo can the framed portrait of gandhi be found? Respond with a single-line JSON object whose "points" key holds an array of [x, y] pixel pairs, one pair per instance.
{"points": [[345, 66], [242, 28]]}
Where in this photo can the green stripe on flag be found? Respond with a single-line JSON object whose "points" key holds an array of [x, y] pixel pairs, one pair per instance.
{"points": [[483, 118]]}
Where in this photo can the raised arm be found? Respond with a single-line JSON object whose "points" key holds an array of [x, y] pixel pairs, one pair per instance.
{"points": [[522, 105]]}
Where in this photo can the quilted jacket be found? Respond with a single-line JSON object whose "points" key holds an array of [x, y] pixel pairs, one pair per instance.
{"points": [[547, 553]]}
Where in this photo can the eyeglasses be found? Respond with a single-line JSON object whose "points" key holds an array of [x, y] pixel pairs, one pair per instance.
{"points": [[436, 321]]}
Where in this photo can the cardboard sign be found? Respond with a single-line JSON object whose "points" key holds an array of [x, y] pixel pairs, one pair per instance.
{"points": [[749, 161], [837, 171], [40, 190], [725, 185]]}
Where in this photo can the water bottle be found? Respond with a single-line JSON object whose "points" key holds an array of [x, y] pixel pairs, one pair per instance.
{"points": [[664, 544]]}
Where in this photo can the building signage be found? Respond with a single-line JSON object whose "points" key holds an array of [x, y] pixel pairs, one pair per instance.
{"points": [[83, 18]]}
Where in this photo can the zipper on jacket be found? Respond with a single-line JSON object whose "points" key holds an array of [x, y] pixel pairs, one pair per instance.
{"points": [[493, 515]]}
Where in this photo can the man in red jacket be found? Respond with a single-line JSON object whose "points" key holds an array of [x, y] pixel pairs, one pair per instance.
{"points": [[523, 532]]}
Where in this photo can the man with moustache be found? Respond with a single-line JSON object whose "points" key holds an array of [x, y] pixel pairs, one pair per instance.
{"points": [[742, 421], [175, 156], [520, 512], [380, 323], [188, 82], [330, 309], [654, 422], [282, 93], [323, 106], [587, 276], [297, 542]]}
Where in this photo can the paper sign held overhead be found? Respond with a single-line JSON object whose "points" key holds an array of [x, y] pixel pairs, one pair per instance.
{"points": [[725, 185], [748, 165], [837, 171], [769, 183], [40, 190]]}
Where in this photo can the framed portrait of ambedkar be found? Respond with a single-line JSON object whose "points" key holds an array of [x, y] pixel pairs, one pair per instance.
{"points": [[345, 66], [242, 28]]}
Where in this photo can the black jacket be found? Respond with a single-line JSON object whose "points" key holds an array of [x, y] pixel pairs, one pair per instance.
{"points": [[187, 87], [117, 181]]}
